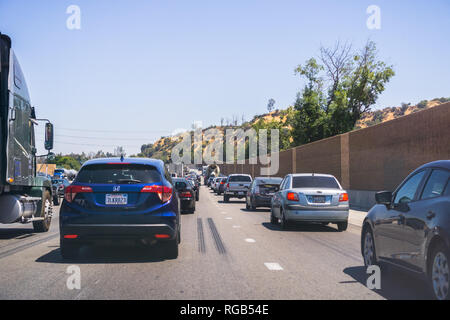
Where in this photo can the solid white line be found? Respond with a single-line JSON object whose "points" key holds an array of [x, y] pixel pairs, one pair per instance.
{"points": [[273, 266]]}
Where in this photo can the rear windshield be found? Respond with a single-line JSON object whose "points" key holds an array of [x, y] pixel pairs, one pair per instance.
{"points": [[315, 182], [269, 181], [239, 178], [118, 174]]}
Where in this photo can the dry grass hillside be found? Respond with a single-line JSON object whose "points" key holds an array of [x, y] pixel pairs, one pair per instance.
{"points": [[162, 148]]}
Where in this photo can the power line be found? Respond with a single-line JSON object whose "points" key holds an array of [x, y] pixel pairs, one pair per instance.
{"points": [[112, 131]]}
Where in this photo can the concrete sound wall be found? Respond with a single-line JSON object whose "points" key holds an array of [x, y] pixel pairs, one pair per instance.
{"points": [[370, 159]]}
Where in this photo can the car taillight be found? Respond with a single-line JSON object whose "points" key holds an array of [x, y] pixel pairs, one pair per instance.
{"points": [[223, 182], [343, 197], [164, 193], [228, 185], [291, 196], [71, 191], [186, 194]]}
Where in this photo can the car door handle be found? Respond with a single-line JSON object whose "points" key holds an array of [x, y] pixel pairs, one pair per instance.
{"points": [[431, 215]]}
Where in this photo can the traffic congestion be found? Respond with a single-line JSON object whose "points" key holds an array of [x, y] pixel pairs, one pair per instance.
{"points": [[112, 188]]}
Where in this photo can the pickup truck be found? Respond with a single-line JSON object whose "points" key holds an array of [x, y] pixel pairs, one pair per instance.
{"points": [[236, 186]]}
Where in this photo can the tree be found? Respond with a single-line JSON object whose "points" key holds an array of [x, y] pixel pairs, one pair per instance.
{"points": [[338, 91], [119, 151], [270, 105]]}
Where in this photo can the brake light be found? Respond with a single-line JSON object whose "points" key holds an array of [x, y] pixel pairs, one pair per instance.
{"points": [[343, 197], [291, 196], [70, 236], [228, 185], [186, 194], [162, 236], [71, 191], [164, 193]]}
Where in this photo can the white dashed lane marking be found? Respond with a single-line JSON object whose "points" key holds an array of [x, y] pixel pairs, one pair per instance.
{"points": [[250, 240], [273, 266]]}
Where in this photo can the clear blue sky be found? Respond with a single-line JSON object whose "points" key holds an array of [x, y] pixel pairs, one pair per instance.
{"points": [[140, 69]]}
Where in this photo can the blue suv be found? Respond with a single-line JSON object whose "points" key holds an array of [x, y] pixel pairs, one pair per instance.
{"points": [[112, 200]]}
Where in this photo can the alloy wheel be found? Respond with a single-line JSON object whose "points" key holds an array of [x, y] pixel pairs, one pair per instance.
{"points": [[439, 276]]}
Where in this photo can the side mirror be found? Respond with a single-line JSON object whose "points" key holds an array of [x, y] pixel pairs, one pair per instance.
{"points": [[50, 156], [383, 197], [48, 136]]}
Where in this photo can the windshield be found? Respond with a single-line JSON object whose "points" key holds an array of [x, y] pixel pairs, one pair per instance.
{"points": [[118, 174]]}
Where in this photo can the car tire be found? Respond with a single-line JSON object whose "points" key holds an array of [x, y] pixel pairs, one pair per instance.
{"points": [[284, 223], [226, 198], [56, 200], [368, 247], [46, 213], [69, 251], [170, 248], [273, 219], [438, 275], [342, 226], [247, 207]]}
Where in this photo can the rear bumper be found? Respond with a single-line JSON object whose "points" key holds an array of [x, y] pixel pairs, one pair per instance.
{"points": [[89, 233], [262, 201], [300, 213], [235, 194]]}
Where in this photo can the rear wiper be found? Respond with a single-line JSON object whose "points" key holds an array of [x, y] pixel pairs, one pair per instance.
{"points": [[119, 181]]}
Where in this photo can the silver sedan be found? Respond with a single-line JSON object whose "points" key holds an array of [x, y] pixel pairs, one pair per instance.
{"points": [[309, 197]]}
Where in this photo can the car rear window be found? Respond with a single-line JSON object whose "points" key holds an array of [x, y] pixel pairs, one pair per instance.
{"points": [[118, 174], [239, 178], [269, 181], [315, 182]]}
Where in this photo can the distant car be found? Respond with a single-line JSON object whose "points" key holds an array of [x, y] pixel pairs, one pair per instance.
{"points": [[410, 227], [210, 180], [215, 184], [222, 184], [186, 194], [196, 186], [261, 191], [125, 200], [310, 197], [59, 186], [237, 186]]}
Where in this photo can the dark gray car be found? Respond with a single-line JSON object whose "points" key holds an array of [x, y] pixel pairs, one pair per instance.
{"points": [[410, 227], [261, 192]]}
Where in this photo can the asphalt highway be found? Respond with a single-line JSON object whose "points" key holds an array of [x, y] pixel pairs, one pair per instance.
{"points": [[226, 252]]}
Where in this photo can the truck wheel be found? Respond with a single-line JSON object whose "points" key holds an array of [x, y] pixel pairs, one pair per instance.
{"points": [[46, 213]]}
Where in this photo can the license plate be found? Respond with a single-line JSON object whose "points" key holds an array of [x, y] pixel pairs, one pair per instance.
{"points": [[116, 199], [319, 199]]}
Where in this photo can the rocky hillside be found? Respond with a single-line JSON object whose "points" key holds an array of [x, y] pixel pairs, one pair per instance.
{"points": [[162, 148]]}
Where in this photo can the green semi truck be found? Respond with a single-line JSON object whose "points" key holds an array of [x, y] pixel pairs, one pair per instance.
{"points": [[25, 197]]}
